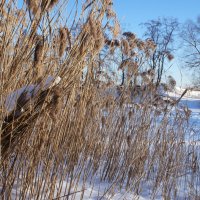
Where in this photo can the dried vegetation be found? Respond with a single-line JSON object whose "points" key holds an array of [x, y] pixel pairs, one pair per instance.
{"points": [[77, 130]]}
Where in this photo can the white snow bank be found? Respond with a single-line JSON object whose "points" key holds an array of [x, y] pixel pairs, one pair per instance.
{"points": [[96, 191], [190, 93], [31, 91]]}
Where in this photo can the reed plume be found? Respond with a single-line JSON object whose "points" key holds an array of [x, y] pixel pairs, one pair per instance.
{"points": [[124, 64], [125, 47], [33, 5], [52, 3], [63, 40], [38, 59]]}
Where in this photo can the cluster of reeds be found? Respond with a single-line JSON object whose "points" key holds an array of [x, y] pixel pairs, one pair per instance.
{"points": [[78, 129]]}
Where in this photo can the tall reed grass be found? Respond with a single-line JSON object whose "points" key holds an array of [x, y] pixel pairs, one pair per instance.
{"points": [[78, 129]]}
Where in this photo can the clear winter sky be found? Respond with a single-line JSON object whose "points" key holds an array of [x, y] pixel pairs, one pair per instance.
{"points": [[131, 13]]}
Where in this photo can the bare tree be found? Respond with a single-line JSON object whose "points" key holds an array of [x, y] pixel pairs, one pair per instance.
{"points": [[191, 37], [162, 33]]}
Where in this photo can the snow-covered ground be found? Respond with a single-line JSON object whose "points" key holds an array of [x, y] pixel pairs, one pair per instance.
{"points": [[193, 138], [192, 100], [194, 105], [190, 93]]}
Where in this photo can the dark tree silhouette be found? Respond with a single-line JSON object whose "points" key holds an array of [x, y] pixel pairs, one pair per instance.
{"points": [[161, 32]]}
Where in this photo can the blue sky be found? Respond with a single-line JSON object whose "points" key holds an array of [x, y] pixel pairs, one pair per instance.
{"points": [[131, 13]]}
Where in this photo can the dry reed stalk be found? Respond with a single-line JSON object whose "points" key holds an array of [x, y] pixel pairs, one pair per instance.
{"points": [[110, 13], [125, 47], [93, 26], [52, 4], [33, 5], [116, 29], [125, 63], [130, 35], [63, 40], [38, 58], [140, 44]]}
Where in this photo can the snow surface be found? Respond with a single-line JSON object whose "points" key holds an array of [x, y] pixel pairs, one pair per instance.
{"points": [[189, 94]]}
